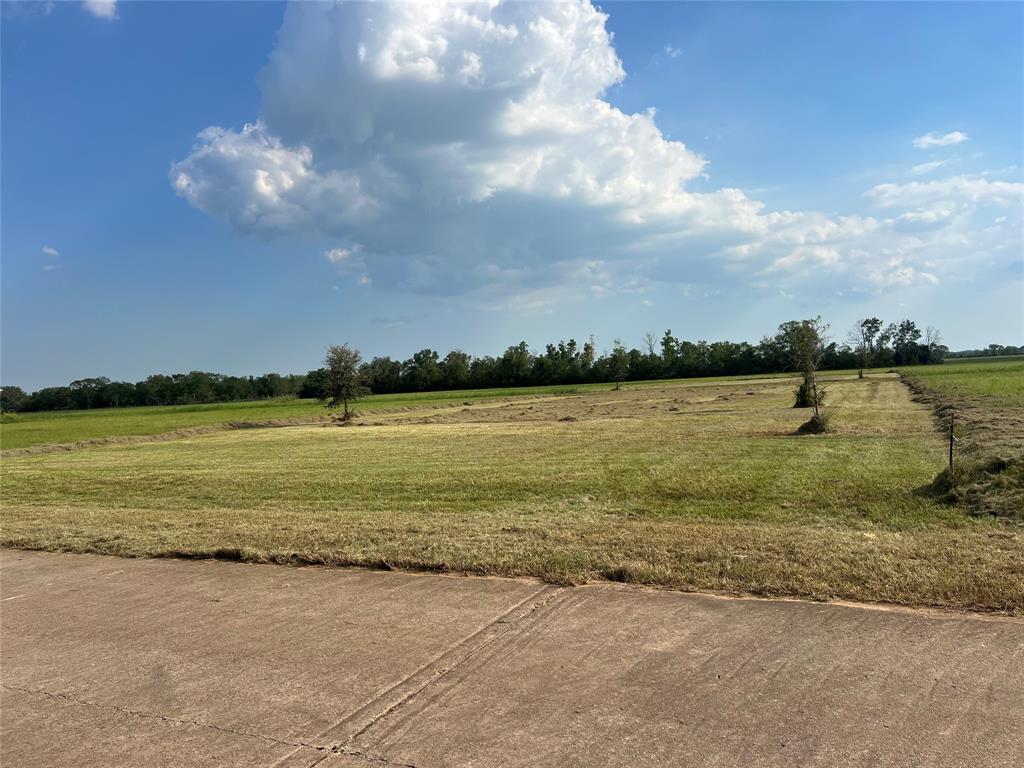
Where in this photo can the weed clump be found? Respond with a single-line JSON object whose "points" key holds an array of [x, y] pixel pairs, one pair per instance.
{"points": [[818, 424]]}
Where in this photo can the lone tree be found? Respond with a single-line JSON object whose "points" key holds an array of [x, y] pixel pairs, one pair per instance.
{"points": [[341, 382], [618, 364], [862, 339], [805, 342]]}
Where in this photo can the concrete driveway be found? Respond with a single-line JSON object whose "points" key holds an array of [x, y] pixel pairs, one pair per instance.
{"points": [[111, 662]]}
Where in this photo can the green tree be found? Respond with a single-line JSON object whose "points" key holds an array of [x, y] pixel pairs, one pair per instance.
{"points": [[382, 375], [454, 370], [12, 399], [421, 372], [515, 365], [618, 364], [805, 342], [86, 391], [905, 343], [342, 384], [313, 384]]}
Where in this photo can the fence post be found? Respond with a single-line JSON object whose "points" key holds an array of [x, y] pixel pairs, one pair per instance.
{"points": [[952, 439]]}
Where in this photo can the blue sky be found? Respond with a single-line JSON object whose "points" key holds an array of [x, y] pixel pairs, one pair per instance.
{"points": [[472, 177]]}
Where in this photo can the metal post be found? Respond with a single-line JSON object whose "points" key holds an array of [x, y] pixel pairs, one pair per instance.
{"points": [[952, 439]]}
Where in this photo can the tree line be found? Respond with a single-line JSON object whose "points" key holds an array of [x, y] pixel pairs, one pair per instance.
{"points": [[870, 344], [992, 350]]}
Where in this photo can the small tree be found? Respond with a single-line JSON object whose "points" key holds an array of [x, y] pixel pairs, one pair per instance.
{"points": [[805, 343], [618, 364], [933, 341], [341, 382], [862, 339]]}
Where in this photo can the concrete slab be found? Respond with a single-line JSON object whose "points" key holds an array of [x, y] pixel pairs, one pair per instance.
{"points": [[40, 730], [284, 653], [108, 662], [609, 676]]}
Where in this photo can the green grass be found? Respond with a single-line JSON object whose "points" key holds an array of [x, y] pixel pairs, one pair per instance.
{"points": [[22, 430], [686, 485], [62, 427], [985, 399], [999, 379]]}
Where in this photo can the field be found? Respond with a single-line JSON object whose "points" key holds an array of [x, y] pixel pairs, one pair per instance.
{"points": [[997, 379], [685, 484], [985, 399], [23, 430]]}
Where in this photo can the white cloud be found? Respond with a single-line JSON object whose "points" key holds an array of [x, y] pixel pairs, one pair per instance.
{"points": [[922, 168], [469, 148], [49, 250], [49, 267], [261, 186], [956, 189], [930, 140], [102, 9], [673, 53]]}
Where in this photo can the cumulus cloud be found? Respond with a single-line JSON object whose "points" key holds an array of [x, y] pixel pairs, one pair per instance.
{"points": [[49, 250], [453, 148], [101, 9], [259, 185], [930, 140]]}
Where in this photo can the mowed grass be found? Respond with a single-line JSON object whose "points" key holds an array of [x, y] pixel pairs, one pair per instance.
{"points": [[64, 427], [684, 485], [985, 399], [23, 430], [1000, 380]]}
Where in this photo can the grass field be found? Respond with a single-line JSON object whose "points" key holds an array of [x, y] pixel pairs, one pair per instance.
{"points": [[698, 484], [985, 399], [1000, 380], [64, 427], [23, 430]]}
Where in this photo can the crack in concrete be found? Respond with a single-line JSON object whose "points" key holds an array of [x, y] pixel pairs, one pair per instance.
{"points": [[163, 718]]}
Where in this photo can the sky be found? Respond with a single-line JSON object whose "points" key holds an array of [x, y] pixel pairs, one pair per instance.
{"points": [[233, 186]]}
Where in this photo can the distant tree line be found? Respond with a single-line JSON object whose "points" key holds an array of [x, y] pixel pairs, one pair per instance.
{"points": [[992, 350], [158, 389], [567, 362]]}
